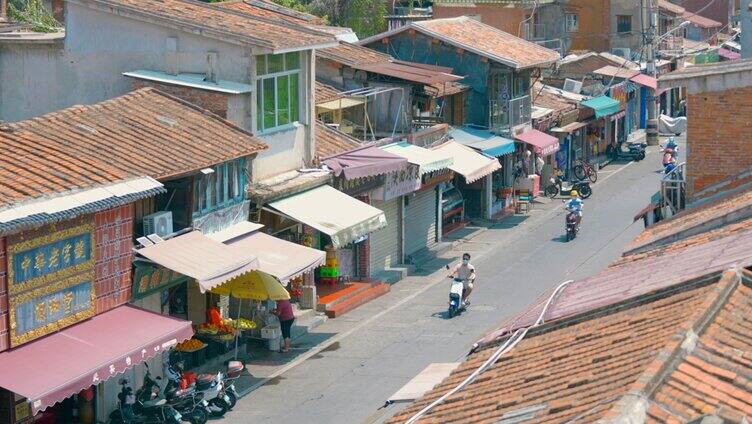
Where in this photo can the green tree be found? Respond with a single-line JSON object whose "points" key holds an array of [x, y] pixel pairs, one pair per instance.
{"points": [[34, 13], [365, 17]]}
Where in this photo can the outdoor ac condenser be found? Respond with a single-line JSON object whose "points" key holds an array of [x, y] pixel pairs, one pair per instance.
{"points": [[159, 223]]}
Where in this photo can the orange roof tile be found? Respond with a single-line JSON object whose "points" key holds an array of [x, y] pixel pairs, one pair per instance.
{"points": [[268, 9], [469, 34], [710, 215], [143, 133], [220, 22], [326, 92], [590, 367], [352, 54], [330, 142], [549, 100], [670, 7]]}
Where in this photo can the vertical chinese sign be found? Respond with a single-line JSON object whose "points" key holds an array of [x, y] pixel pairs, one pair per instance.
{"points": [[50, 279]]}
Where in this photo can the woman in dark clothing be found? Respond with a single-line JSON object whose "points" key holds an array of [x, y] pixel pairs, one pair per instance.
{"points": [[286, 318]]}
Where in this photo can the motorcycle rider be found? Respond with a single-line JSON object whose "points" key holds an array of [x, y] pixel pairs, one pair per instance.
{"points": [[574, 205], [465, 272]]}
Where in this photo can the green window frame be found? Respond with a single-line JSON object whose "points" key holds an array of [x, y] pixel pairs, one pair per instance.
{"points": [[222, 188], [277, 90]]}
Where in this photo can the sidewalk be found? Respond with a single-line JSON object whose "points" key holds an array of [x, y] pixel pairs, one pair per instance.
{"points": [[268, 368]]}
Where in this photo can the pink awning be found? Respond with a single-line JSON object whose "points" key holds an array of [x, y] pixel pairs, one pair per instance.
{"points": [[645, 80], [728, 54], [365, 162], [50, 369], [542, 143]]}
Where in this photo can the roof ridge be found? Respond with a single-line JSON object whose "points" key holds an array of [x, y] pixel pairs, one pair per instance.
{"points": [[281, 22], [677, 348]]}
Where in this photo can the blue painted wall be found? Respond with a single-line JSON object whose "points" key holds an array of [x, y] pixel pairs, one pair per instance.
{"points": [[419, 48]]}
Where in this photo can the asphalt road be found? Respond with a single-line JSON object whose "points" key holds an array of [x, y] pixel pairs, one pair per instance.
{"points": [[375, 349]]}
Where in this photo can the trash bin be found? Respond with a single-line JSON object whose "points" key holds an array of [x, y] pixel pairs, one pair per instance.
{"points": [[273, 335]]}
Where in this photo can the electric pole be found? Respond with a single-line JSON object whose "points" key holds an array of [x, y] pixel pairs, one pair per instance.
{"points": [[650, 21]]}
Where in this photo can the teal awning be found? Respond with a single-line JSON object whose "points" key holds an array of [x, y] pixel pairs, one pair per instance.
{"points": [[484, 141], [603, 106]]}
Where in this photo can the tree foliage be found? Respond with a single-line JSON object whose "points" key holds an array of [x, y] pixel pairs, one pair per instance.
{"points": [[34, 13]]}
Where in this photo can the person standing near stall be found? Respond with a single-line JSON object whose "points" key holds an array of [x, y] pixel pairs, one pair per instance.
{"points": [[286, 317]]}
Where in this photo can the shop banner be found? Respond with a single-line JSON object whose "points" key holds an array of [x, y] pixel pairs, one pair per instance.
{"points": [[619, 92], [50, 280], [398, 183], [149, 279]]}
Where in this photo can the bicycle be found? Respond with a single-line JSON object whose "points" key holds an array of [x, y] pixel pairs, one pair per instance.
{"points": [[585, 170]]}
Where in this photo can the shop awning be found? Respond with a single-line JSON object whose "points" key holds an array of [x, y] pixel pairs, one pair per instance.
{"points": [[365, 162], [570, 128], [542, 143], [485, 141], [50, 369], [728, 54], [343, 103], [280, 258], [602, 105], [427, 160], [467, 162], [197, 256], [645, 80], [332, 212]]}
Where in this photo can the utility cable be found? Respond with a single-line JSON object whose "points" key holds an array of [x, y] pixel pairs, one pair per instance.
{"points": [[508, 345]]}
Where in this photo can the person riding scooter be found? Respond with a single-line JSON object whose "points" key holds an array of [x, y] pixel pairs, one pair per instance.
{"points": [[574, 205], [465, 272]]}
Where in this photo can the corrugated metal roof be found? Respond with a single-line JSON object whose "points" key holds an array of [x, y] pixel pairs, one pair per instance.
{"points": [[143, 133], [352, 54], [407, 72], [267, 9]]}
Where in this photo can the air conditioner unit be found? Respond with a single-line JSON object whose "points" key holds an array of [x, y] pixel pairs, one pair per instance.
{"points": [[159, 223], [572, 86], [624, 52]]}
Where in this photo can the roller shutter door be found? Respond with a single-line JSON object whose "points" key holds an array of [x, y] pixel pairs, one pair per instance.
{"points": [[420, 221], [385, 243]]}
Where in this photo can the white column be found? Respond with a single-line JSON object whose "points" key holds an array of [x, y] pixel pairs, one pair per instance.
{"points": [[487, 196]]}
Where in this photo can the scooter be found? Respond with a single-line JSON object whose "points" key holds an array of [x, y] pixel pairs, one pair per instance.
{"points": [[572, 227], [211, 386], [456, 298], [234, 370], [634, 151], [132, 410], [556, 187]]}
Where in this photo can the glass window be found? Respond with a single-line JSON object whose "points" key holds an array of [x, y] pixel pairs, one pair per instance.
{"points": [[259, 105], [572, 22], [232, 183], [223, 187], [276, 63], [294, 93], [270, 118], [260, 65], [624, 23], [292, 61], [283, 100]]}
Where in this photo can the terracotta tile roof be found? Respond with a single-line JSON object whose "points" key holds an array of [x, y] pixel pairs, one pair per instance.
{"points": [[352, 54], [267, 9], [549, 100], [598, 366], [330, 142], [143, 133], [445, 89], [616, 71], [670, 7], [711, 214], [469, 34], [326, 92], [639, 275], [220, 22], [701, 21]]}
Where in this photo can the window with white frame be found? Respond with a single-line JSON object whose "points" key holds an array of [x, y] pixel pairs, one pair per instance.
{"points": [[223, 187], [572, 22], [277, 90]]}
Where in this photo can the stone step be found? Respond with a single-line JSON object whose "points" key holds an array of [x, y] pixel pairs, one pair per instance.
{"points": [[304, 326], [378, 289], [329, 301]]}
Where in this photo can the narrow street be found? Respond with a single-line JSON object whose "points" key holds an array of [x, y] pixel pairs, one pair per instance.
{"points": [[374, 350]]}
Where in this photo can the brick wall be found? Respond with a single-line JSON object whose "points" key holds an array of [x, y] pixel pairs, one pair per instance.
{"points": [[4, 336], [114, 232], [209, 100], [718, 145]]}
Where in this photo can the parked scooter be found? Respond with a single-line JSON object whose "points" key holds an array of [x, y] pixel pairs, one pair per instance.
{"points": [[633, 151], [556, 186], [154, 410], [234, 370], [211, 386]]}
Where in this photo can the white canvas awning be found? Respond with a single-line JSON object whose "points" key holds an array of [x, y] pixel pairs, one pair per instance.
{"points": [[428, 160], [467, 162], [343, 103], [197, 256], [280, 258], [332, 212]]}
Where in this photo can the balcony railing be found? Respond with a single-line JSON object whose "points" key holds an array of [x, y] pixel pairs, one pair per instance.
{"points": [[507, 114], [520, 111], [673, 187]]}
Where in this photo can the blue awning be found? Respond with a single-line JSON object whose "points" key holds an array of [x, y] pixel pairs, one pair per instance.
{"points": [[603, 106], [484, 141]]}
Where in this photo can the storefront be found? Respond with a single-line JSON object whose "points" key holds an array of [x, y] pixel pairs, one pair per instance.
{"points": [[647, 85], [473, 175], [502, 179], [543, 146], [421, 209], [572, 146], [601, 133]]}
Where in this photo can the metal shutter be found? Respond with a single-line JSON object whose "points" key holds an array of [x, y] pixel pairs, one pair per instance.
{"points": [[385, 243], [420, 221]]}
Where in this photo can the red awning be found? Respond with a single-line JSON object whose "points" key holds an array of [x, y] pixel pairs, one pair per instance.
{"points": [[645, 80], [55, 367], [542, 143]]}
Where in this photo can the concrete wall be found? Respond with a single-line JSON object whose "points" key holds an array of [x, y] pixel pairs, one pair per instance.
{"points": [[87, 67], [594, 25], [625, 40], [718, 10], [746, 35], [287, 149], [502, 17], [718, 144]]}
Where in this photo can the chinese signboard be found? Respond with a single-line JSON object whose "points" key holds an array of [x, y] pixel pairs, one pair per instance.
{"points": [[398, 183], [149, 279], [50, 281]]}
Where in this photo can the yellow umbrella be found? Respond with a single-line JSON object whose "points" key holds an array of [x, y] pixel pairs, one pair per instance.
{"points": [[255, 285]]}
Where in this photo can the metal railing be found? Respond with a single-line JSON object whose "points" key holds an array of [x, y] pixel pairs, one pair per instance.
{"points": [[503, 115], [520, 111], [673, 187]]}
